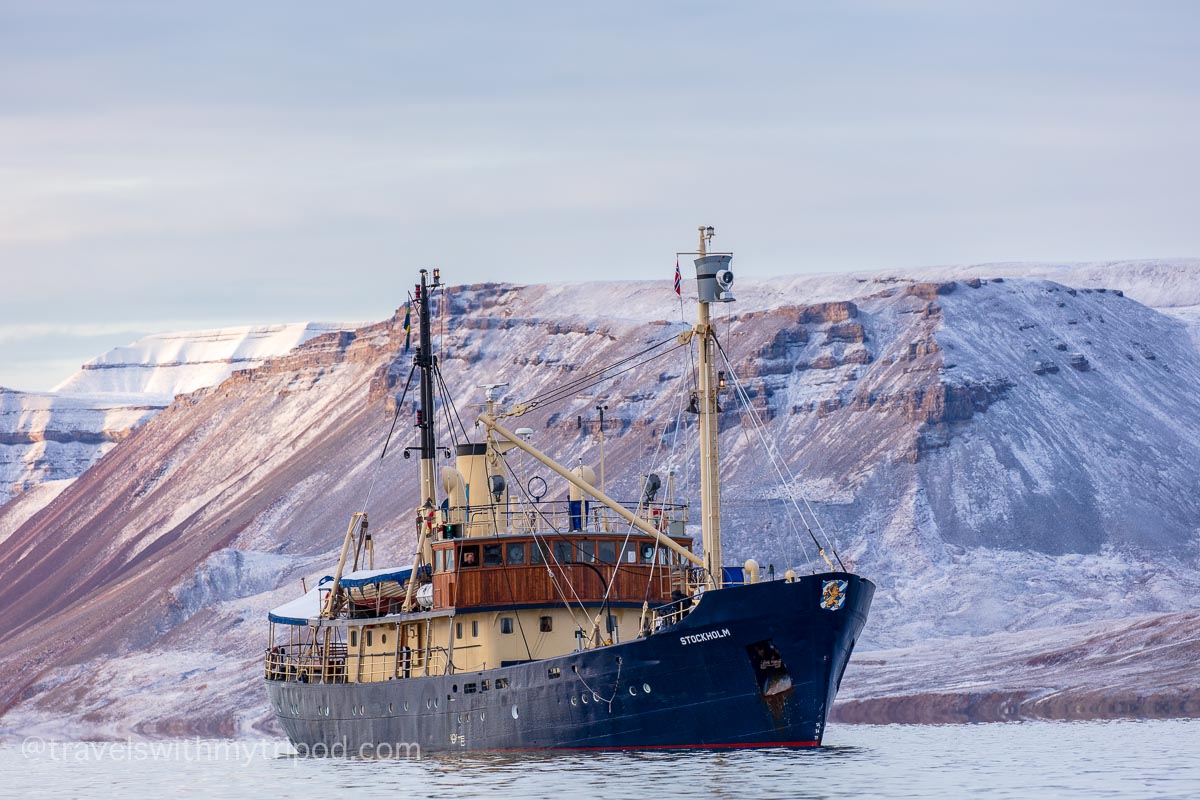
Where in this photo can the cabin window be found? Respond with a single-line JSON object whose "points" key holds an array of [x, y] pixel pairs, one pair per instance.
{"points": [[469, 688], [647, 554], [554, 672], [587, 552], [537, 555], [501, 683], [629, 553], [611, 623], [506, 624], [664, 556], [485, 685], [474, 628], [608, 552], [439, 563], [545, 624], [449, 561], [470, 557], [492, 556], [562, 552], [514, 553], [458, 630], [354, 637], [383, 638], [368, 637]]}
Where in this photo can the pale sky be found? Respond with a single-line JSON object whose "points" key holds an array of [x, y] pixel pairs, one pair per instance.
{"points": [[182, 165]]}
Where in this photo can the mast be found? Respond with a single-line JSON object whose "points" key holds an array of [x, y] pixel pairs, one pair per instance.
{"points": [[713, 279], [426, 362]]}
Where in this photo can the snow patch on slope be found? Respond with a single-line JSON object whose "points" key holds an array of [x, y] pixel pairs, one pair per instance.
{"points": [[163, 365]]}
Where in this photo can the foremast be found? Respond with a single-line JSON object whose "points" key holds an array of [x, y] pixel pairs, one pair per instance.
{"points": [[426, 363]]}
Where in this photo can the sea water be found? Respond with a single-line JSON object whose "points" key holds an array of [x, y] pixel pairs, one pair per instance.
{"points": [[1122, 759]]}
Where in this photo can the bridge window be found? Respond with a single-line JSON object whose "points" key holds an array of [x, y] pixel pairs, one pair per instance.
{"points": [[492, 556], [449, 561], [562, 552], [608, 552], [546, 624], [470, 557], [537, 553], [587, 552], [515, 553], [506, 624], [629, 553]]}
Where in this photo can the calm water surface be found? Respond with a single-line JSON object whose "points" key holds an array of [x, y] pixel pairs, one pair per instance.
{"points": [[1151, 759]]}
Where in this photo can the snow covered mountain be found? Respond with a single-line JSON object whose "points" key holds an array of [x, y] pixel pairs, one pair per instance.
{"points": [[56, 435], [1001, 455]]}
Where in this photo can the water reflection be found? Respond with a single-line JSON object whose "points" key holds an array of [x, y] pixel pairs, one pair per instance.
{"points": [[1117, 760]]}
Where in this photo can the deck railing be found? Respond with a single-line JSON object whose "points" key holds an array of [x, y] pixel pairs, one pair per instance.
{"points": [[307, 663], [565, 516]]}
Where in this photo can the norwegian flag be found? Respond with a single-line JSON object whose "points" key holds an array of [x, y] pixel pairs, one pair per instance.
{"points": [[678, 282]]}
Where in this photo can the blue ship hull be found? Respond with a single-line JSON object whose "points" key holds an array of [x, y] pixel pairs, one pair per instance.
{"points": [[751, 666]]}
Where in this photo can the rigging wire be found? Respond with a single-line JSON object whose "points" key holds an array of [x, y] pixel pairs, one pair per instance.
{"points": [[776, 460], [562, 391], [654, 463], [674, 441], [392, 430], [549, 551], [448, 403]]}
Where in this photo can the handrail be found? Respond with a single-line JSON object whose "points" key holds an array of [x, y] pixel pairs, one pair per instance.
{"points": [[560, 515], [306, 663]]}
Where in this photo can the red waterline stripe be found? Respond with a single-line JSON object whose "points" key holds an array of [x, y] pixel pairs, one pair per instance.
{"points": [[730, 746]]}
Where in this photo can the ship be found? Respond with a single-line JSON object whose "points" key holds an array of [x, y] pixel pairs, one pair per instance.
{"points": [[574, 623]]}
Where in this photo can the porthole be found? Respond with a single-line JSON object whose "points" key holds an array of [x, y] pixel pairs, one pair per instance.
{"points": [[406, 705], [435, 702], [428, 703], [362, 711], [353, 711], [574, 702], [460, 719], [646, 688], [391, 709], [514, 712], [455, 688], [584, 698], [481, 716], [633, 690], [596, 697]]}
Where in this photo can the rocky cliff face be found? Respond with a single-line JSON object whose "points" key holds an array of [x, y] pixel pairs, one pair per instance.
{"points": [[56, 435], [984, 493]]}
